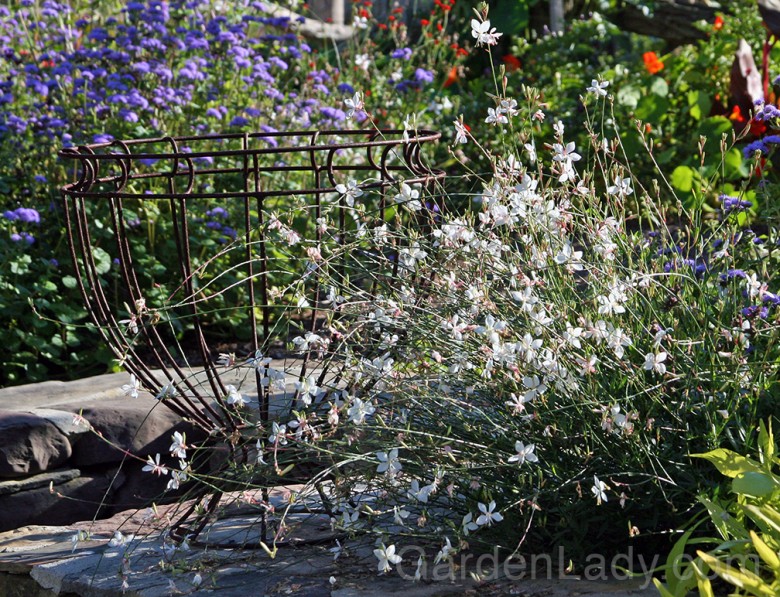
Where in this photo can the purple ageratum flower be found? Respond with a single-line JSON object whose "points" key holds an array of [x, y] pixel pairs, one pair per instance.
{"points": [[239, 121], [333, 114], [731, 274], [402, 53], [753, 147], [771, 297], [423, 76], [39, 178], [729, 204], [27, 215], [102, 138], [755, 310], [214, 113], [217, 212], [767, 112], [24, 237], [346, 88]]}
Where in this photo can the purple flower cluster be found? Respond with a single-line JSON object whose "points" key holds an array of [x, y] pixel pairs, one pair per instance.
{"points": [[154, 57], [27, 215], [762, 145], [730, 204]]}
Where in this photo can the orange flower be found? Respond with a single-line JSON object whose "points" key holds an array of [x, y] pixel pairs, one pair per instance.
{"points": [[652, 63], [736, 115], [512, 63], [718, 24], [452, 77]]}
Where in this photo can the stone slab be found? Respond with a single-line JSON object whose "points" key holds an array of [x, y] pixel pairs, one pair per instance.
{"points": [[76, 499], [49, 394], [29, 444], [57, 477]]}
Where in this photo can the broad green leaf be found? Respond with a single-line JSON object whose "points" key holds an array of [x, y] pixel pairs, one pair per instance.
{"points": [[730, 463], [629, 96], [734, 165], [713, 129], [659, 87], [755, 484], [699, 103], [102, 260], [682, 178], [69, 282], [679, 584], [651, 108]]}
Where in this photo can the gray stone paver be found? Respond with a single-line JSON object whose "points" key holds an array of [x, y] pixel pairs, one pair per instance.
{"points": [[47, 555]]}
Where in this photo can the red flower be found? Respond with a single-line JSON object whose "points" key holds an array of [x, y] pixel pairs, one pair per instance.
{"points": [[512, 63], [718, 24], [652, 62]]}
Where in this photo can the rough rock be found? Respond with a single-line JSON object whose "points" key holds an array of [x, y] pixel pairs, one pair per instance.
{"points": [[141, 426], [30, 444], [73, 499]]}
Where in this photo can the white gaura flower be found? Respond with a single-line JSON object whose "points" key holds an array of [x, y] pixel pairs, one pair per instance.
{"points": [[388, 462], [655, 362], [534, 387], [153, 466], [360, 22], [363, 61], [461, 132], [353, 104], [599, 490], [359, 411], [530, 149], [496, 117], [349, 192], [179, 446], [409, 257], [167, 391], [468, 525], [420, 494], [234, 397], [488, 516], [622, 187], [444, 552], [569, 257], [524, 453], [387, 557], [131, 389], [278, 434], [566, 153], [508, 106], [409, 198], [307, 389], [598, 88], [483, 33]]}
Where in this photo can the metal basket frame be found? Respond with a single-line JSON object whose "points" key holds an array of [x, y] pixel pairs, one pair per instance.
{"points": [[112, 172]]}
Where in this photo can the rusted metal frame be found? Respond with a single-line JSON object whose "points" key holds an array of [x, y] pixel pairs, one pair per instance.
{"points": [[183, 243], [177, 403], [180, 397]]}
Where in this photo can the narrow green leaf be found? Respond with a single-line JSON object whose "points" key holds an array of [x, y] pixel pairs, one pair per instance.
{"points": [[742, 579]]}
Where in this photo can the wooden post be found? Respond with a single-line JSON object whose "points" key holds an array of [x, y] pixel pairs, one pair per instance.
{"points": [[556, 16]]}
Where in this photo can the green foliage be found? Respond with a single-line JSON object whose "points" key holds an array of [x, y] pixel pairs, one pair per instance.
{"points": [[747, 555]]}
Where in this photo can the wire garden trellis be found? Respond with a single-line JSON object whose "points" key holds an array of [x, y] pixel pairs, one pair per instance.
{"points": [[269, 191]]}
